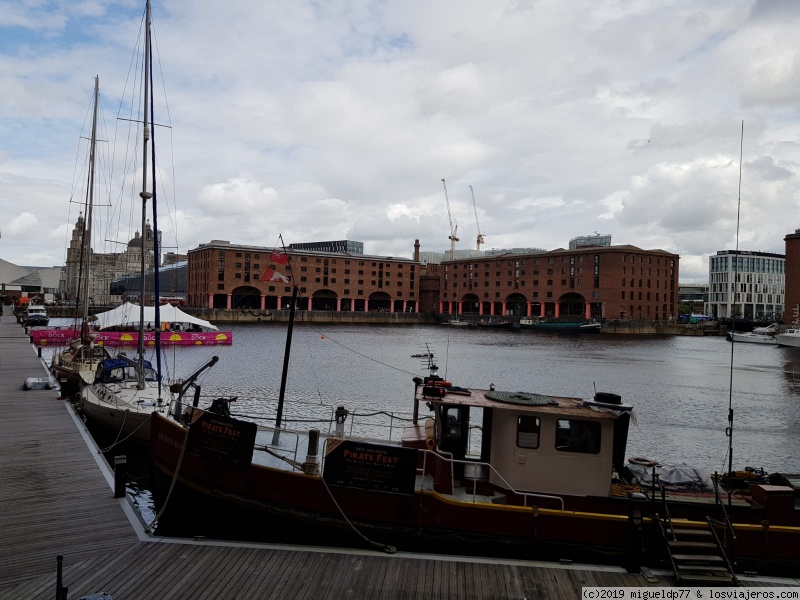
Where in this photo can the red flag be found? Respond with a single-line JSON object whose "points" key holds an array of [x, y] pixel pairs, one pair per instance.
{"points": [[279, 257], [272, 275]]}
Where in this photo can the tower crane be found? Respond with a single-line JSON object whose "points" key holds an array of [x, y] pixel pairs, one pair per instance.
{"points": [[453, 227], [479, 239]]}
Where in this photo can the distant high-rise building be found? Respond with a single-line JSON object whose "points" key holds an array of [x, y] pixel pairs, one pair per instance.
{"points": [[746, 284]]}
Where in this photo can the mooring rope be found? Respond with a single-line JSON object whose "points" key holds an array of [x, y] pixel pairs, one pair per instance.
{"points": [[388, 548], [154, 522]]}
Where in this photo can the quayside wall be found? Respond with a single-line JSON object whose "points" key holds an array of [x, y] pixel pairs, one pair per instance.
{"points": [[221, 316]]}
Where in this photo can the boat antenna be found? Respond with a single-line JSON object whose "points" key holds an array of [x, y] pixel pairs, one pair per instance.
{"points": [[284, 373], [729, 430]]}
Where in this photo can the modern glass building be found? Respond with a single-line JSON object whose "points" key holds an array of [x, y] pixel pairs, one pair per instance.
{"points": [[744, 284], [339, 246]]}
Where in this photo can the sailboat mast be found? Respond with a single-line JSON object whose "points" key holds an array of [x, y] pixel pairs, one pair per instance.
{"points": [[144, 194], [87, 234]]}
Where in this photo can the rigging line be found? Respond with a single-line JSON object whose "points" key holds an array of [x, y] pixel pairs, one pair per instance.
{"points": [[729, 430], [173, 212], [327, 337], [313, 367]]}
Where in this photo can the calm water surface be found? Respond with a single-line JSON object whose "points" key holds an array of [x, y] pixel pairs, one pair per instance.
{"points": [[680, 386]]}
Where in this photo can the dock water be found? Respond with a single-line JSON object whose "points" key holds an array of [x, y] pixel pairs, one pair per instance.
{"points": [[56, 498]]}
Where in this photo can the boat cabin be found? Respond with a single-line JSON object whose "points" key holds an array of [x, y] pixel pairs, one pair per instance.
{"points": [[530, 442], [119, 370], [36, 314]]}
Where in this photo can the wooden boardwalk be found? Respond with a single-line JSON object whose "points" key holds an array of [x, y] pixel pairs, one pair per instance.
{"points": [[56, 497]]}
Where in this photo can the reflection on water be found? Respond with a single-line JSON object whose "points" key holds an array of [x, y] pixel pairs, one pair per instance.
{"points": [[680, 386]]}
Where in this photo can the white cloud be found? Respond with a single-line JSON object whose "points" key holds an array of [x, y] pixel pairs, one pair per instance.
{"points": [[23, 224]]}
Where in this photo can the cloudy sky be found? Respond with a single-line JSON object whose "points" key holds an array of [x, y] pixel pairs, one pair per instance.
{"points": [[338, 119]]}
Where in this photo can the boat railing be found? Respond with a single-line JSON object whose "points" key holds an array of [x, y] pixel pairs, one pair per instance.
{"points": [[718, 502], [439, 455], [368, 425], [184, 411], [287, 453], [721, 549], [377, 424]]}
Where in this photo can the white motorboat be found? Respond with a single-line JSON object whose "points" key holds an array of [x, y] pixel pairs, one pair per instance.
{"points": [[751, 337], [769, 329], [790, 337]]}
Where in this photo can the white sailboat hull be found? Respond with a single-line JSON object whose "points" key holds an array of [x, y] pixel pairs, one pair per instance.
{"points": [[125, 412]]}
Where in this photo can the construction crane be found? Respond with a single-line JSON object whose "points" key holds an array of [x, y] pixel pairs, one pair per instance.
{"points": [[453, 227], [479, 240]]}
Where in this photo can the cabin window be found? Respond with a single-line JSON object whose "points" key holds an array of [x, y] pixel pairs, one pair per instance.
{"points": [[574, 435], [452, 420], [528, 432]]}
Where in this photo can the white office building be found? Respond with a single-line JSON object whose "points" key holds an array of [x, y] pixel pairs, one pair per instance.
{"points": [[749, 285]]}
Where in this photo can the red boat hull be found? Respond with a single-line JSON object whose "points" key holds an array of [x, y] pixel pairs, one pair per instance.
{"points": [[438, 522]]}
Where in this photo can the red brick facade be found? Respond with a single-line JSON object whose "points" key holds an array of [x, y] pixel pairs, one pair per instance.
{"points": [[223, 275], [791, 312], [611, 282]]}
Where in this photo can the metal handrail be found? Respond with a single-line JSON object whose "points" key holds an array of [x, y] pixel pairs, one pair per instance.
{"points": [[718, 501], [722, 551], [509, 487], [668, 518]]}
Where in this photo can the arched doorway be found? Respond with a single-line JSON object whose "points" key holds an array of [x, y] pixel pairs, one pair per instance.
{"points": [[470, 304], [380, 301], [572, 305], [517, 305], [245, 297], [323, 300]]}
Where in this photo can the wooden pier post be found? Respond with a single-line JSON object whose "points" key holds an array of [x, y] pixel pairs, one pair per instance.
{"points": [[61, 591], [120, 475]]}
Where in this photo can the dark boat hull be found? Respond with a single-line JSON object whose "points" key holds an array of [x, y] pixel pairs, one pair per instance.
{"points": [[588, 530]]}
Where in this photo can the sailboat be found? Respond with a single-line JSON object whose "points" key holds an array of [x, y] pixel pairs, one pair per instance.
{"points": [[75, 366], [126, 390]]}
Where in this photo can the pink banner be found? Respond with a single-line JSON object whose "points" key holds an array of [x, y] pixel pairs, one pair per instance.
{"points": [[114, 339]]}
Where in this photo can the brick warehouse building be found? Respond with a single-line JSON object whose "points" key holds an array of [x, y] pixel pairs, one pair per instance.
{"points": [[611, 282], [791, 296], [225, 275]]}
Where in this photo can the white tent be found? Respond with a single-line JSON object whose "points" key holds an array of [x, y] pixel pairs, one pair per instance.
{"points": [[128, 314]]}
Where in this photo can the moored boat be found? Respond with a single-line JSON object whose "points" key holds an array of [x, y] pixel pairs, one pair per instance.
{"points": [[790, 337], [548, 477], [35, 316], [75, 366], [458, 323], [496, 323], [126, 391], [574, 326], [751, 337]]}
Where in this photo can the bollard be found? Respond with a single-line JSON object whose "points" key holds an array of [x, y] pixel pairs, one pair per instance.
{"points": [[59, 581], [635, 519], [311, 464], [120, 475], [38, 350]]}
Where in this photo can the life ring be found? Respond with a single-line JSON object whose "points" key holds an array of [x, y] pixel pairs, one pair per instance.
{"points": [[636, 460]]}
